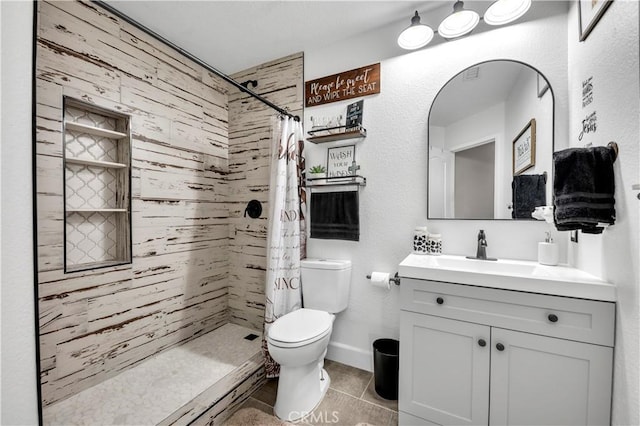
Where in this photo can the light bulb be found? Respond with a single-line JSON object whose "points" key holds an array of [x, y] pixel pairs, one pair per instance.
{"points": [[460, 22], [504, 11], [416, 35]]}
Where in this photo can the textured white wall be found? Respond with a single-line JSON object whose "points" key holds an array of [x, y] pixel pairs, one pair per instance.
{"points": [[19, 394], [477, 128], [393, 158], [610, 56]]}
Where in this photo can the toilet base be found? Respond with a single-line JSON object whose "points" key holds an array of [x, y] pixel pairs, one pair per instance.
{"points": [[300, 391]]}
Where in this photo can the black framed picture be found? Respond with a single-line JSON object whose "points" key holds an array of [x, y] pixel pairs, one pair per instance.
{"points": [[354, 115]]}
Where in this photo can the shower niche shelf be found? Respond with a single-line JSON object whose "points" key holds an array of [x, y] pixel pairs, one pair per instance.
{"points": [[333, 134], [97, 187]]}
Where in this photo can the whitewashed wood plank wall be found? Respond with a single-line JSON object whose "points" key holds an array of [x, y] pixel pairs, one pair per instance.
{"points": [[250, 125], [189, 188]]}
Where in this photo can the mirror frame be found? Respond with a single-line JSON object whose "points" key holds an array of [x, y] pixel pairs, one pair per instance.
{"points": [[553, 132]]}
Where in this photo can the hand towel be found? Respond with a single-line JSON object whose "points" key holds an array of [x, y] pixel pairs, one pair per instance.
{"points": [[527, 193], [583, 189], [335, 215]]}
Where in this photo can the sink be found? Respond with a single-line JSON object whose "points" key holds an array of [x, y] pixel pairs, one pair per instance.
{"points": [[519, 275], [512, 267]]}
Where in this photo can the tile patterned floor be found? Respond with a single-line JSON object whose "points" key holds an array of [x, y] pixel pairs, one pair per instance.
{"points": [[350, 400]]}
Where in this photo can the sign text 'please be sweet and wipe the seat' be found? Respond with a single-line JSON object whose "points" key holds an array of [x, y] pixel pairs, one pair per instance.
{"points": [[355, 83]]}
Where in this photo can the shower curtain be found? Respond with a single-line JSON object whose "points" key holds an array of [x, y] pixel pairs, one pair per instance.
{"points": [[286, 235]]}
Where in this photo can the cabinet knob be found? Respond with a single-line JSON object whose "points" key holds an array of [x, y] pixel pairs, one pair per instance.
{"points": [[500, 347], [439, 300], [553, 318], [482, 343]]}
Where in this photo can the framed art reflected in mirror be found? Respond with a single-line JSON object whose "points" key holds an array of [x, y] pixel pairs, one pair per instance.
{"points": [[524, 148]]}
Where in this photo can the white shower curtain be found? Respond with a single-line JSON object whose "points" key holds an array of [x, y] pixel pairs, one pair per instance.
{"points": [[286, 236]]}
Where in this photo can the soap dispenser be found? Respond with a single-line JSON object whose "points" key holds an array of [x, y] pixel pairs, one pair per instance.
{"points": [[548, 252]]}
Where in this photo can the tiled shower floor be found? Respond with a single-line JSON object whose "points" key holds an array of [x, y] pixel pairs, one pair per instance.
{"points": [[149, 392]]}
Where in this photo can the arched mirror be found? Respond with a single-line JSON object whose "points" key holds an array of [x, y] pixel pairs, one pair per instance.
{"points": [[491, 143]]}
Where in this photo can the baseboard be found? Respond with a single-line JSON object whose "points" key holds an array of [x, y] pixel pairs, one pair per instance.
{"points": [[350, 355]]}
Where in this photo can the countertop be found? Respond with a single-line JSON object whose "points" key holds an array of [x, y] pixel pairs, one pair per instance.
{"points": [[517, 275]]}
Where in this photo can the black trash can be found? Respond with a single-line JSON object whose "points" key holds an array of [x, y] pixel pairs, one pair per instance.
{"points": [[385, 367]]}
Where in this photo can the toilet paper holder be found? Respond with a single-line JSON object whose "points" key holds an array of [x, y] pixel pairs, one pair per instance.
{"points": [[395, 279]]}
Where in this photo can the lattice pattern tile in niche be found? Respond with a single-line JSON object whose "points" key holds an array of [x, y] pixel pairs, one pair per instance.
{"points": [[90, 118], [91, 237], [90, 187], [90, 147]]}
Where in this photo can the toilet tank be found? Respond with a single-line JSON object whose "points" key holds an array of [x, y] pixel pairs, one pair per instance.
{"points": [[325, 284]]}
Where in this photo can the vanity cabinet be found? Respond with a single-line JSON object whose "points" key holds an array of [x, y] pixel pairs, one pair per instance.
{"points": [[475, 355]]}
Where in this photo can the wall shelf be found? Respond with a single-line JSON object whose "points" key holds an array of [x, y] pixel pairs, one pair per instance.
{"points": [[339, 133], [97, 211], [93, 130], [358, 180], [96, 163], [93, 265]]}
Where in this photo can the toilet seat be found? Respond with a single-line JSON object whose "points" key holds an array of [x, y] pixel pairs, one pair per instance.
{"points": [[300, 328]]}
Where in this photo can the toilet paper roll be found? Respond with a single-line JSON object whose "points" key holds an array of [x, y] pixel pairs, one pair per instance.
{"points": [[380, 279]]}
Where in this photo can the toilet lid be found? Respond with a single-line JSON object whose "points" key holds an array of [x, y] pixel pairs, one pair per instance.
{"points": [[298, 326]]}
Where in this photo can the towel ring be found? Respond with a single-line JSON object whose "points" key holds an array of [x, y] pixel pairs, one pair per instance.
{"points": [[614, 147]]}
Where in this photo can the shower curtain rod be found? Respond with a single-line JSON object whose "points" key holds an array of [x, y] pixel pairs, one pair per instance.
{"points": [[180, 50]]}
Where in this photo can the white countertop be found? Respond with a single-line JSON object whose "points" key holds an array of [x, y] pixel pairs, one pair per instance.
{"points": [[518, 275]]}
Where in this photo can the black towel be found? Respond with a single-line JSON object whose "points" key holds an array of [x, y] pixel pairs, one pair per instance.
{"points": [[527, 193], [335, 215], [583, 189]]}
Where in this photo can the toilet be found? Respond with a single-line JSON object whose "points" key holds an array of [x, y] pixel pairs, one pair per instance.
{"points": [[298, 340]]}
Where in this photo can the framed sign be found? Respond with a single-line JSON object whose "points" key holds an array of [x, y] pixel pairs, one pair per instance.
{"points": [[590, 12], [354, 115], [350, 84], [339, 159], [524, 148]]}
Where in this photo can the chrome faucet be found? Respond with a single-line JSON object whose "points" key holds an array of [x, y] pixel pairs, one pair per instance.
{"points": [[481, 253]]}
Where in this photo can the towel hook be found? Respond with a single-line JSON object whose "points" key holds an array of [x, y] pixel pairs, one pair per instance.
{"points": [[254, 208], [253, 83], [614, 147]]}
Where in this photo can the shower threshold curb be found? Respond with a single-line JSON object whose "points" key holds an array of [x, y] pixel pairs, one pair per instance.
{"points": [[220, 401]]}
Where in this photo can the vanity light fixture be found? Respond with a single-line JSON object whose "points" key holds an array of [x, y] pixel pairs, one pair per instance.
{"points": [[504, 11], [461, 22], [415, 35]]}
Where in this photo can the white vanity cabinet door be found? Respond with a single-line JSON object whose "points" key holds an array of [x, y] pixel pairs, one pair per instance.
{"points": [[539, 380], [444, 369]]}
